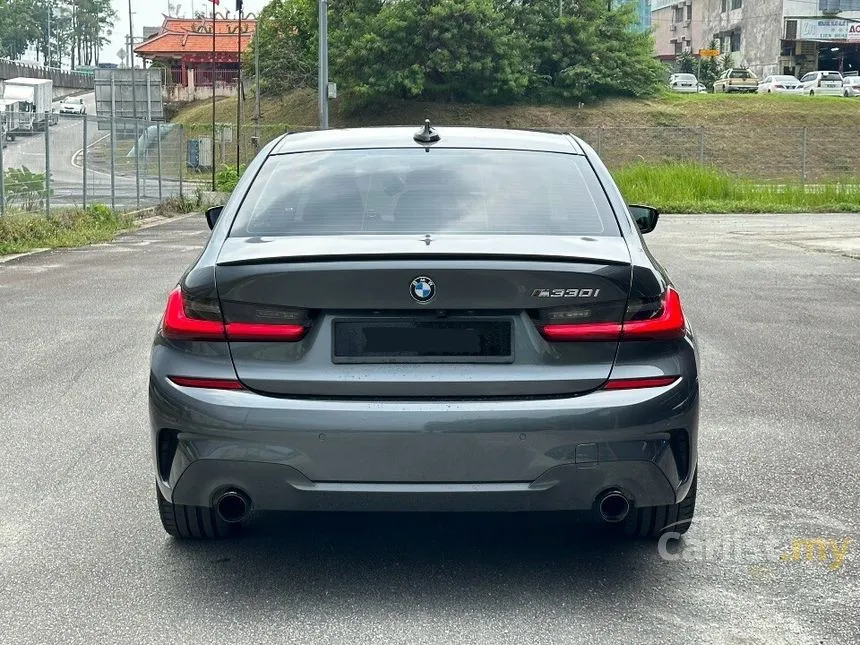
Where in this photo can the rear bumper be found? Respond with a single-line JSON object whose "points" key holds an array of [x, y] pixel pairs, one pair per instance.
{"points": [[503, 455]]}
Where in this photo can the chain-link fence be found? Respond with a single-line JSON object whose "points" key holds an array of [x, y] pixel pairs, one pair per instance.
{"points": [[78, 161], [130, 164]]}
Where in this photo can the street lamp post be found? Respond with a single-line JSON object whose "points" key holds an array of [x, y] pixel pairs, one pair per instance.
{"points": [[323, 64]]}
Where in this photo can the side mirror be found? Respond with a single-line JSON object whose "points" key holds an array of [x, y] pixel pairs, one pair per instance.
{"points": [[645, 217], [212, 215]]}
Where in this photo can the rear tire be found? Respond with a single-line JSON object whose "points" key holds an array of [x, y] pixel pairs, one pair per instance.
{"points": [[651, 522], [192, 522]]}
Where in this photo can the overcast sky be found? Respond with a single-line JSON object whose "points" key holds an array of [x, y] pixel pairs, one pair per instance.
{"points": [[150, 13]]}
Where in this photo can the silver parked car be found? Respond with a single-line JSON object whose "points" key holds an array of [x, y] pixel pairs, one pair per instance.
{"points": [[456, 319], [851, 86]]}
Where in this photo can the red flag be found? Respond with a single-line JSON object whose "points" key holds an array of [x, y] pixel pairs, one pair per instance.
{"points": [[218, 2]]}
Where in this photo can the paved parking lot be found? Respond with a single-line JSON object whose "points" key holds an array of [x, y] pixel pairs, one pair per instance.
{"points": [[772, 556]]}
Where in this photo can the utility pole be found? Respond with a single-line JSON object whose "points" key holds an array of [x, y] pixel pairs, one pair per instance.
{"points": [[239, 91], [323, 64]]}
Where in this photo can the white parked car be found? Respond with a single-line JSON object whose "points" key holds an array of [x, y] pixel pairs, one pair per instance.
{"points": [[73, 105], [778, 85], [821, 84], [851, 86], [687, 83]]}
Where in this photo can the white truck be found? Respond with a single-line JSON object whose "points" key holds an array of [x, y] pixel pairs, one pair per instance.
{"points": [[35, 97], [10, 113]]}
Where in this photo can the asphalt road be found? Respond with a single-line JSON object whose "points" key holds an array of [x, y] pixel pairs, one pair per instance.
{"points": [[67, 176], [774, 301]]}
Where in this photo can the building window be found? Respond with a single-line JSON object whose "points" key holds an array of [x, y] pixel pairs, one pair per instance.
{"points": [[679, 15], [677, 47], [737, 4], [735, 41], [689, 12]]}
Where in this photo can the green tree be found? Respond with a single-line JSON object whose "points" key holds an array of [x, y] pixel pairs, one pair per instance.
{"points": [[287, 39], [685, 63], [588, 51], [18, 27], [441, 49]]}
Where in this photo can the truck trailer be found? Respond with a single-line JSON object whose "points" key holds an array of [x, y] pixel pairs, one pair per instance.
{"points": [[35, 97]]}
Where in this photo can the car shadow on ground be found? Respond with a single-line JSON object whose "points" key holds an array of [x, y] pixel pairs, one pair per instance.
{"points": [[427, 560]]}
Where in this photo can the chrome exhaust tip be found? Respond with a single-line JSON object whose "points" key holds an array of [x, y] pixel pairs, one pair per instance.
{"points": [[232, 506], [613, 506]]}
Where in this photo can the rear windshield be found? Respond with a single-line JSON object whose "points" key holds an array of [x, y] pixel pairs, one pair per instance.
{"points": [[685, 77], [831, 76], [740, 73], [410, 191]]}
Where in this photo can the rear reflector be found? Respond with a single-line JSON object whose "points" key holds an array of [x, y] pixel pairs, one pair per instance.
{"points": [[180, 323], [638, 383], [667, 324], [208, 383]]}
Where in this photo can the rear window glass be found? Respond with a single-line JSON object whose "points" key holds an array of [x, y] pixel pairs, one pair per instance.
{"points": [[740, 73], [831, 76], [410, 191], [686, 77]]}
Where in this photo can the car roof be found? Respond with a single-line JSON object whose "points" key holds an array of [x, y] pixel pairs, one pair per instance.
{"points": [[450, 137]]}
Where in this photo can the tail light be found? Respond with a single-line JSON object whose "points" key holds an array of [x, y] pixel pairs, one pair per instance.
{"points": [[639, 383], [819, 83], [200, 319], [645, 319]]}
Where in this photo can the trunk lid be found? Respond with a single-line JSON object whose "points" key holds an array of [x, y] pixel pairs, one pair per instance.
{"points": [[453, 316]]}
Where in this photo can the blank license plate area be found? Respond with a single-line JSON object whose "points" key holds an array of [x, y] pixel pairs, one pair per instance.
{"points": [[422, 341]]}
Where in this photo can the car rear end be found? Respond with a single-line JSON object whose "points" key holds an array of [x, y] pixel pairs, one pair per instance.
{"points": [[851, 86], [827, 84], [424, 326], [741, 81], [684, 83]]}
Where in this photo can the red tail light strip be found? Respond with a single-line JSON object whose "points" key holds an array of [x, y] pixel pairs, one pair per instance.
{"points": [[638, 383], [209, 383], [177, 325], [668, 325]]}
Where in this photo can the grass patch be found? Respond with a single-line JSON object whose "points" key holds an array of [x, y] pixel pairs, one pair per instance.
{"points": [[691, 188], [25, 232]]}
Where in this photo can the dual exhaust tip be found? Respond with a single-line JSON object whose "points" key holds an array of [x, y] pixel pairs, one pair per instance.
{"points": [[232, 506], [613, 506]]}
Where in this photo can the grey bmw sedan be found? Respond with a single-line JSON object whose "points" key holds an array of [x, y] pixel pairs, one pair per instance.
{"points": [[402, 319]]}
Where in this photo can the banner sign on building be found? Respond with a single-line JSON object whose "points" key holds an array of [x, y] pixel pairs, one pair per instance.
{"points": [[828, 29]]}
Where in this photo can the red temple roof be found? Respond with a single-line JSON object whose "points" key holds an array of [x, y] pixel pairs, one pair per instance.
{"points": [[180, 36]]}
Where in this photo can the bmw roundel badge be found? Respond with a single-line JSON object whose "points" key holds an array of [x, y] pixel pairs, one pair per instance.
{"points": [[422, 289]]}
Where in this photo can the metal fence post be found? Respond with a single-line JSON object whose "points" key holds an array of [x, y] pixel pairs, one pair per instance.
{"points": [[137, 162], [48, 164], [2, 174], [803, 156], [181, 157], [702, 146], [84, 162], [158, 142], [112, 144]]}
